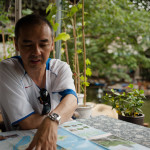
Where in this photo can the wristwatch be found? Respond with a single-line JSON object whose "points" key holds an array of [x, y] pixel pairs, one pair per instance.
{"points": [[54, 117]]}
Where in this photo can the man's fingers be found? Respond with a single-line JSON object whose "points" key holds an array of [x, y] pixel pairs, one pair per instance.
{"points": [[32, 144], [38, 147]]}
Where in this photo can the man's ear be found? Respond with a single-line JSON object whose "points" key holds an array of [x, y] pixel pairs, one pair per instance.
{"points": [[16, 44]]}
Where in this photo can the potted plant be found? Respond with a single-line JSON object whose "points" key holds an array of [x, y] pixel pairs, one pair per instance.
{"points": [[128, 104], [83, 109], [78, 33], [80, 78]]}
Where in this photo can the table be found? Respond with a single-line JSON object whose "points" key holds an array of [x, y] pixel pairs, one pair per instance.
{"points": [[129, 131]]}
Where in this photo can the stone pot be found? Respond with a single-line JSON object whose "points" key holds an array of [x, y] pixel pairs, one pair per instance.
{"points": [[137, 120], [84, 111]]}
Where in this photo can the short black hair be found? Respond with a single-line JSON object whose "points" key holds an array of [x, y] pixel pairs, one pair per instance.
{"points": [[31, 19]]}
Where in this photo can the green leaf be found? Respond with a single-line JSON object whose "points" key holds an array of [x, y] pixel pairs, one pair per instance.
{"points": [[79, 51], [130, 86], [74, 9], [88, 72], [88, 62], [112, 90], [86, 13], [55, 26], [82, 78], [49, 8], [27, 11], [51, 11], [62, 36], [141, 91], [80, 6], [86, 83]]}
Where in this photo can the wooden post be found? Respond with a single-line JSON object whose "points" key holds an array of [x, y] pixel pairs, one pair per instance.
{"points": [[18, 9], [84, 52]]}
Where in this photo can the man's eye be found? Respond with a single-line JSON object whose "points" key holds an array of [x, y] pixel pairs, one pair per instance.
{"points": [[28, 45], [43, 45]]}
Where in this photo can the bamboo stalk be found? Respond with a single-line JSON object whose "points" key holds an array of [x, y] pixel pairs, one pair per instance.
{"points": [[75, 48], [4, 47], [66, 49], [77, 68], [53, 45], [53, 49], [84, 52], [78, 78]]}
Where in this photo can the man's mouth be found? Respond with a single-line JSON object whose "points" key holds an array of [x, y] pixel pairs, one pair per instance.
{"points": [[35, 61]]}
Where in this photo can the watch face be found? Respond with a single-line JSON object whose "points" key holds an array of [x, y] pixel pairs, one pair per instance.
{"points": [[55, 115]]}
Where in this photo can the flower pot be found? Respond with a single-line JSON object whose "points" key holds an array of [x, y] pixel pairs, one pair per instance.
{"points": [[80, 98], [137, 120], [84, 111]]}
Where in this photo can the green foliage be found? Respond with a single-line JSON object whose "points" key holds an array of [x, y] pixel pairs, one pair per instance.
{"points": [[55, 26], [79, 51], [88, 72], [73, 10], [62, 36], [27, 11], [88, 62], [4, 19], [83, 82], [118, 35], [127, 103], [51, 11]]}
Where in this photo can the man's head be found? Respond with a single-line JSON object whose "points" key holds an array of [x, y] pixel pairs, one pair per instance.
{"points": [[31, 20], [34, 41]]}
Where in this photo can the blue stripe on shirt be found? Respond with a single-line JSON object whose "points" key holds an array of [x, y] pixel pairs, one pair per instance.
{"points": [[19, 58], [16, 122], [66, 92], [47, 63]]}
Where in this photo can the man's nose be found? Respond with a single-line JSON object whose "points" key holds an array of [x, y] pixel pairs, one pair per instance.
{"points": [[37, 50]]}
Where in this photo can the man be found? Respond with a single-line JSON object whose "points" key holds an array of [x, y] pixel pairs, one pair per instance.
{"points": [[35, 91]]}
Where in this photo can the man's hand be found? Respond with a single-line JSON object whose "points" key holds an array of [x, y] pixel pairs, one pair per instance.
{"points": [[45, 137]]}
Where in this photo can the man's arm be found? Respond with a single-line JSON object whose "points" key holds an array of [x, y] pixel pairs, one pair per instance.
{"points": [[65, 109], [46, 136]]}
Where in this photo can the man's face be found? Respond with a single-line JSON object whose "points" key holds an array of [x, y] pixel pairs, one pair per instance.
{"points": [[34, 44]]}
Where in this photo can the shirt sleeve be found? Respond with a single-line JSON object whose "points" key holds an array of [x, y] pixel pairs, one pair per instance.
{"points": [[63, 82], [12, 95]]}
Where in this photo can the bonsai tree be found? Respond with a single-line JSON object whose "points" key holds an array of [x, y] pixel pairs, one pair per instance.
{"points": [[127, 103]]}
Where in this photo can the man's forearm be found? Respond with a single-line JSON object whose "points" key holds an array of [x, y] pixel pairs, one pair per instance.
{"points": [[32, 122], [66, 107]]}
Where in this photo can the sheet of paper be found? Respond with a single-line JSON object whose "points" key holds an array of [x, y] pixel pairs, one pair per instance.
{"points": [[81, 130], [107, 140]]}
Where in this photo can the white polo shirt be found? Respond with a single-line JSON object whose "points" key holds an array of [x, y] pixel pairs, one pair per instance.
{"points": [[19, 94]]}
